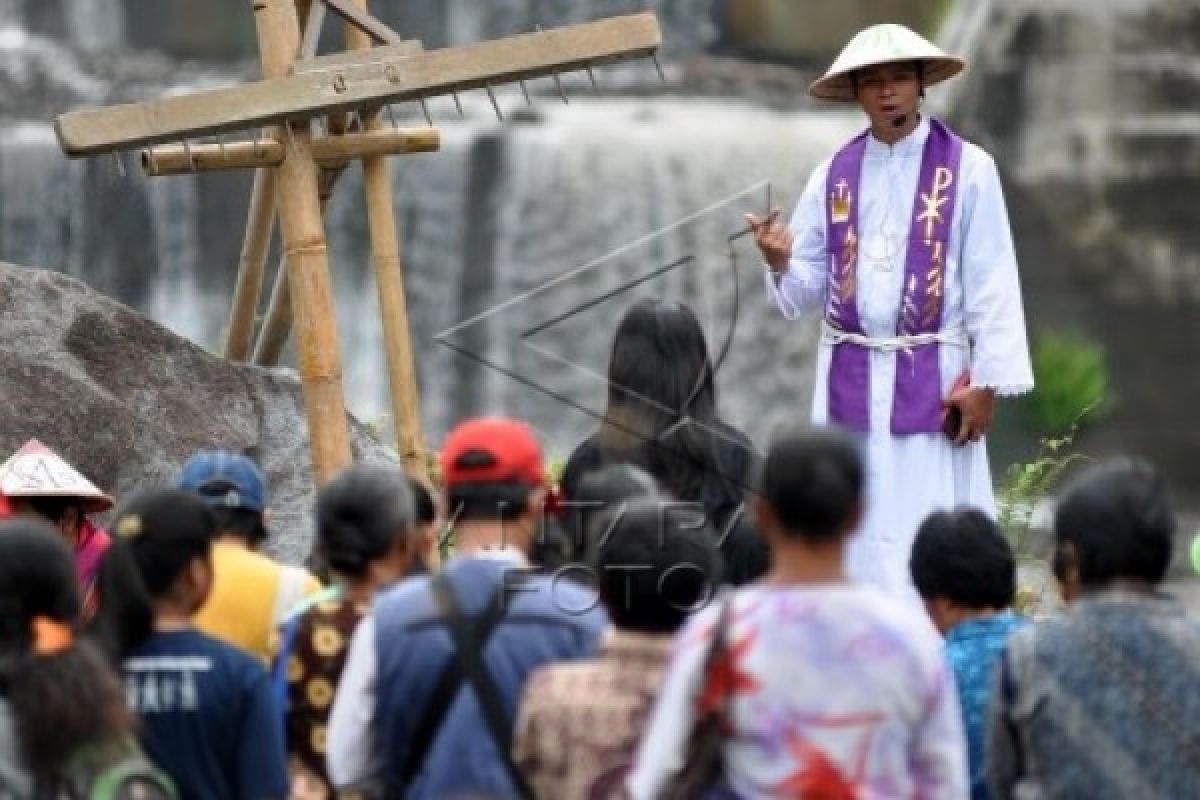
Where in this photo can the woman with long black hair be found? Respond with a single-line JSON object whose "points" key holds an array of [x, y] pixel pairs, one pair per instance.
{"points": [[662, 416], [59, 700]]}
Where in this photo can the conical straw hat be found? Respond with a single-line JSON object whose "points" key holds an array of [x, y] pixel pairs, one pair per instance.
{"points": [[37, 471], [884, 44]]}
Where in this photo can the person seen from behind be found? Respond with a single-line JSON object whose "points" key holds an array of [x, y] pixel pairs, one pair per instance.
{"points": [[367, 535], [251, 594], [829, 689], [965, 572], [662, 415], [63, 719], [580, 722], [207, 712], [428, 697], [1101, 702]]}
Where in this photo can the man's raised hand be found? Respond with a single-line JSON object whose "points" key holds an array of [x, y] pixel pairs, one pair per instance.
{"points": [[774, 240]]}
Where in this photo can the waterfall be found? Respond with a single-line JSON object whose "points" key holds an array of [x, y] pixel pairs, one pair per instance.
{"points": [[94, 25], [495, 228]]}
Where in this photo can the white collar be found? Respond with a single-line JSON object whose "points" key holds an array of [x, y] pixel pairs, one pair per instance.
{"points": [[506, 554], [914, 142]]}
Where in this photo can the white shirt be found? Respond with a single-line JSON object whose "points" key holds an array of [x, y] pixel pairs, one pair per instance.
{"points": [[837, 688]]}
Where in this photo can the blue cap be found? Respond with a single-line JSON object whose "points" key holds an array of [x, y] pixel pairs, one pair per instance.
{"points": [[225, 480]]}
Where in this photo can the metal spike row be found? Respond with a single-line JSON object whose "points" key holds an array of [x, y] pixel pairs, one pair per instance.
{"points": [[562, 92], [658, 66], [592, 77], [557, 81], [495, 105], [458, 105], [425, 111], [392, 117], [525, 91]]}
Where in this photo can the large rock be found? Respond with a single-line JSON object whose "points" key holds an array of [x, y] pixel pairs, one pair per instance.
{"points": [[126, 401]]}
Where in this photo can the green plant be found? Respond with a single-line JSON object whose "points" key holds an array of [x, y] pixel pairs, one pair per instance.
{"points": [[1071, 382], [1026, 484]]}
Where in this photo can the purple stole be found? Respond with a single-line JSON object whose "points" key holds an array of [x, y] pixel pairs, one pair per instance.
{"points": [[917, 405]]}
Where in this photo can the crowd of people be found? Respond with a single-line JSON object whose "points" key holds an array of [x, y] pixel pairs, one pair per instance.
{"points": [[674, 619]]}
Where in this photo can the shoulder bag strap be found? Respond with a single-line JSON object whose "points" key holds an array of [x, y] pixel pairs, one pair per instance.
{"points": [[447, 686], [470, 661]]}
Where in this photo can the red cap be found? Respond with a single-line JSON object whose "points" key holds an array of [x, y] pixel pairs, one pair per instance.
{"points": [[5, 507], [492, 450]]}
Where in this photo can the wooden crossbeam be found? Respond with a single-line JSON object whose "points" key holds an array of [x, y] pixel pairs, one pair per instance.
{"points": [[357, 85], [376, 55], [328, 151]]}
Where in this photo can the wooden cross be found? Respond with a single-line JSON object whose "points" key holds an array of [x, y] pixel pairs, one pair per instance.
{"points": [[296, 169]]}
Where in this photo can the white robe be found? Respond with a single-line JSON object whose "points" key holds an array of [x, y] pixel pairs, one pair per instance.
{"points": [[910, 476]]}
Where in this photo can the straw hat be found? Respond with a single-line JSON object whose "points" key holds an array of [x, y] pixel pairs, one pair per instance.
{"points": [[884, 44], [37, 471]]}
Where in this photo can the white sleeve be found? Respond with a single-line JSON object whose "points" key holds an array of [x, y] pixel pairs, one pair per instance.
{"points": [[802, 287], [661, 753], [350, 752], [995, 318]]}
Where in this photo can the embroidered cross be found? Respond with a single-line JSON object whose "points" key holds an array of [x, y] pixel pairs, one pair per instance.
{"points": [[934, 200]]}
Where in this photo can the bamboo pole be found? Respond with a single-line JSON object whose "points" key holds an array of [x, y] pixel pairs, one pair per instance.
{"points": [[389, 278], [277, 324], [328, 151], [252, 264], [307, 258], [260, 223]]}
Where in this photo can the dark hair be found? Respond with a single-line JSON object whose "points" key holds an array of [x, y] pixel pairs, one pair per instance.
{"points": [[242, 523], [55, 508], [424, 507], [599, 490], [662, 405], [813, 482], [654, 567], [1120, 523], [484, 502], [360, 515], [159, 534], [64, 701], [961, 555]]}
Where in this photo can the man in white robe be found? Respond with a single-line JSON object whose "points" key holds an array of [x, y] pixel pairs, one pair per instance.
{"points": [[981, 345]]}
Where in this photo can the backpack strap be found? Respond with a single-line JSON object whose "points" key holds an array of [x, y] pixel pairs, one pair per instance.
{"points": [[447, 686], [470, 660]]}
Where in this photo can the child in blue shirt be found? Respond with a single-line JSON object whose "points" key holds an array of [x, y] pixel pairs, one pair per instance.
{"points": [[965, 571], [208, 714]]}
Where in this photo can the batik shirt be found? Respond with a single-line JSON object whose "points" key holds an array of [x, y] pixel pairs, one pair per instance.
{"points": [[833, 691], [580, 722]]}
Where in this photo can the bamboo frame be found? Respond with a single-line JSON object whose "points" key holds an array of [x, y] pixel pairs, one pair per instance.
{"points": [[328, 151], [369, 83], [307, 258], [389, 279], [260, 229], [277, 324]]}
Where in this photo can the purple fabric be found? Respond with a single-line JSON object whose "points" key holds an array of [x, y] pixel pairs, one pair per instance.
{"points": [[917, 405]]}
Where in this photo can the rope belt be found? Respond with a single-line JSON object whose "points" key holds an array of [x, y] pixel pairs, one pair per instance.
{"points": [[956, 337]]}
